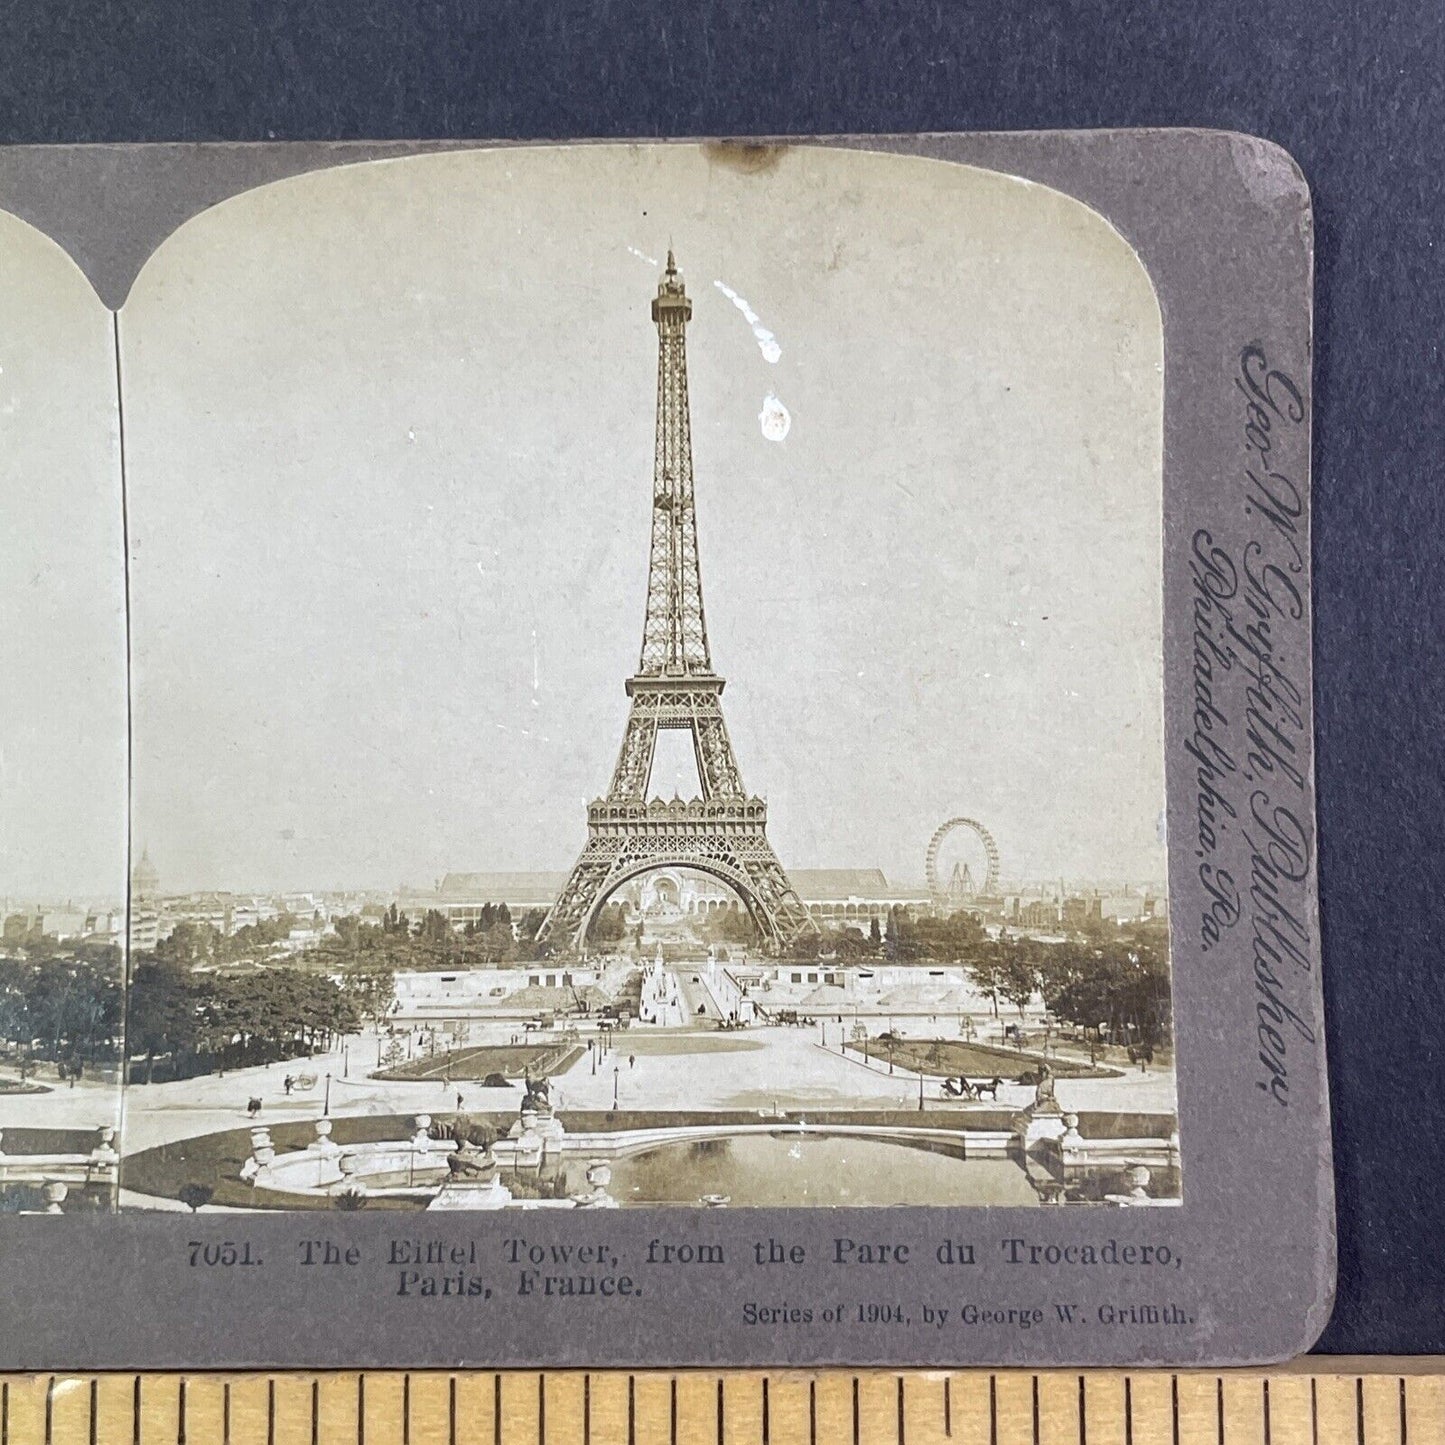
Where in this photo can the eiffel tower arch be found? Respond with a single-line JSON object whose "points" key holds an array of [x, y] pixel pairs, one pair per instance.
{"points": [[724, 832]]}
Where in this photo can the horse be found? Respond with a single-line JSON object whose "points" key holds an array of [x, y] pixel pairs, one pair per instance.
{"points": [[986, 1086]]}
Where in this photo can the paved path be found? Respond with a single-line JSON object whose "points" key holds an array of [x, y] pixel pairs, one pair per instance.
{"points": [[89, 1105], [698, 1000]]}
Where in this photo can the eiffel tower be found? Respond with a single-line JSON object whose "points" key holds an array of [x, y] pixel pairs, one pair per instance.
{"points": [[724, 832]]}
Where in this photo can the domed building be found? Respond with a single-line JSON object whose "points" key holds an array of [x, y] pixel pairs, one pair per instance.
{"points": [[145, 882]]}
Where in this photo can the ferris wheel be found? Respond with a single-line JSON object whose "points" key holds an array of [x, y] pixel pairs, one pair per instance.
{"points": [[936, 886]]}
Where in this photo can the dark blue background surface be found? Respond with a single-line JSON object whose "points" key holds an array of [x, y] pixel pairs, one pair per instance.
{"points": [[1354, 91]]}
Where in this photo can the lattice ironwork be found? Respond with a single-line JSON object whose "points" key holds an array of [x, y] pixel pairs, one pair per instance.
{"points": [[674, 633], [724, 832]]}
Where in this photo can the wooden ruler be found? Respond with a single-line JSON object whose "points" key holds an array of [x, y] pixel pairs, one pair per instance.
{"points": [[1318, 1402]]}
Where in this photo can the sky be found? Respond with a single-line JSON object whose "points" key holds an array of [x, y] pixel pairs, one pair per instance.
{"points": [[62, 594], [389, 450]]}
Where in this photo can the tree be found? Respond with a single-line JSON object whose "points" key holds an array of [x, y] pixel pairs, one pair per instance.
{"points": [[875, 933], [195, 1195], [189, 944], [527, 945], [904, 941], [371, 986], [162, 1014], [435, 927], [348, 934], [1115, 989], [1018, 979], [610, 925], [228, 1020], [733, 925], [986, 973]]}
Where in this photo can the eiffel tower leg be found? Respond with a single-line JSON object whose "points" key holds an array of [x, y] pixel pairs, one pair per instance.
{"points": [[716, 766], [587, 882], [769, 884], [634, 761]]}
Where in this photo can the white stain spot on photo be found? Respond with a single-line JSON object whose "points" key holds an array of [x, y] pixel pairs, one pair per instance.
{"points": [[642, 256], [767, 342], [774, 418]]}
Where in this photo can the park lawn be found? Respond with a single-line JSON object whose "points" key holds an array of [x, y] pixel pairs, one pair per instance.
{"points": [[948, 1058], [648, 1045], [48, 1141], [216, 1160]]}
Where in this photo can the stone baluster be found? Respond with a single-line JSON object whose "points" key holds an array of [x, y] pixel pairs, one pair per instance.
{"points": [[348, 1184], [599, 1176], [323, 1143], [104, 1155]]}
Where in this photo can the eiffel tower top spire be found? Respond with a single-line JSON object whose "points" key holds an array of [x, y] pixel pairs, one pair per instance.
{"points": [[674, 633]]}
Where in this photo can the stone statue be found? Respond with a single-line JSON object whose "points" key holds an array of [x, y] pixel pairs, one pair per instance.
{"points": [[472, 1163]]}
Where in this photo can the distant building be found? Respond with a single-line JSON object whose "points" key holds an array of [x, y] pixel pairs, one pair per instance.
{"points": [[835, 895], [461, 896], [1122, 907], [61, 923], [855, 895], [145, 881], [145, 919], [1079, 911], [145, 925], [469, 993], [1039, 913]]}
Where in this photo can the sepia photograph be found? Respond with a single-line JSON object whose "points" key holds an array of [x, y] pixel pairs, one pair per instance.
{"points": [[643, 688], [62, 734]]}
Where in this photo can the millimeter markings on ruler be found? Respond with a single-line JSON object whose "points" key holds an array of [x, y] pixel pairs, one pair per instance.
{"points": [[1318, 1402]]}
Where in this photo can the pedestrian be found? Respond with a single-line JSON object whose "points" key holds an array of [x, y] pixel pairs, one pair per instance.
{"points": [[632, 1061], [288, 1083], [459, 1101]]}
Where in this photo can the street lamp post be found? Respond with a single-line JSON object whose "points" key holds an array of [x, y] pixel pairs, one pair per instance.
{"points": [[345, 1060], [616, 1079], [326, 1102], [920, 1088]]}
